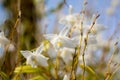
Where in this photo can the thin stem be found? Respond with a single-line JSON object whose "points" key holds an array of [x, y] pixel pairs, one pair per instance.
{"points": [[17, 21], [118, 67], [57, 65], [74, 65], [110, 61], [84, 58], [66, 3], [85, 42]]}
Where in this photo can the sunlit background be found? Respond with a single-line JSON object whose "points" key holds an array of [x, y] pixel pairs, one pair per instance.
{"points": [[108, 16], [39, 17]]}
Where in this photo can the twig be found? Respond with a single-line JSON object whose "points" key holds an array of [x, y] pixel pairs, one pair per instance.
{"points": [[85, 41], [110, 61], [57, 65], [74, 65], [17, 21], [66, 3]]}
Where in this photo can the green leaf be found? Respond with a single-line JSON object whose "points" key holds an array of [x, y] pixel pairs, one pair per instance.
{"points": [[38, 78], [26, 69], [88, 69], [4, 76]]}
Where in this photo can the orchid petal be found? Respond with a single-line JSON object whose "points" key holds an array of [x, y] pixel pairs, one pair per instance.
{"points": [[64, 31], [50, 36], [41, 60], [26, 53], [40, 49]]}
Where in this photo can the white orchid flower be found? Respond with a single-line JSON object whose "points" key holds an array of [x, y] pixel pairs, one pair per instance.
{"points": [[34, 59], [60, 40], [48, 48], [91, 39], [52, 52], [70, 19], [40, 49], [66, 54], [95, 30]]}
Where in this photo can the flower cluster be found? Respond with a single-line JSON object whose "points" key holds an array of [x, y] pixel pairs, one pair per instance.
{"points": [[63, 45]]}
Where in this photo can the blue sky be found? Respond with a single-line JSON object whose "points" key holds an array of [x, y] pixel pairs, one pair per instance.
{"points": [[3, 14], [99, 6]]}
